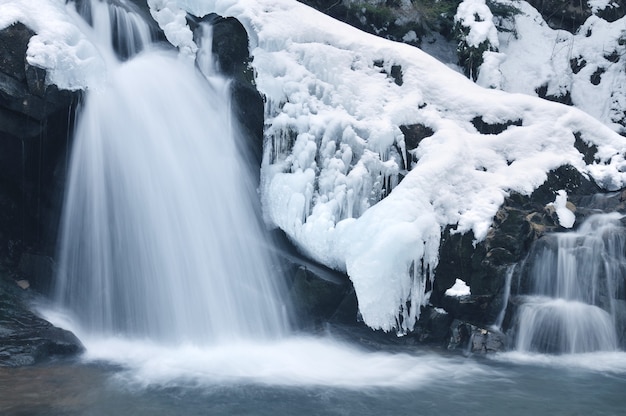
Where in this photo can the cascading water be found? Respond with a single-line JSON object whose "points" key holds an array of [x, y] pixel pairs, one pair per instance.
{"points": [[160, 235], [574, 282], [163, 263]]}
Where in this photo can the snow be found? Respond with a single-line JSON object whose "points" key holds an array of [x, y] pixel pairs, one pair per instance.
{"points": [[59, 46], [477, 17], [533, 55], [171, 19], [565, 215], [410, 36], [334, 174], [460, 288], [598, 5]]}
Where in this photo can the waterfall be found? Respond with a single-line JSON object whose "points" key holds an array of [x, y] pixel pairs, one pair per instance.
{"points": [[574, 282], [118, 27], [160, 232]]}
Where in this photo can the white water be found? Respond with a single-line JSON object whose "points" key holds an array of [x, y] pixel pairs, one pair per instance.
{"points": [[160, 236], [574, 278]]}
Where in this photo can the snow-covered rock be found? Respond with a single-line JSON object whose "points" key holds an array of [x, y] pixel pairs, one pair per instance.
{"points": [[585, 68]]}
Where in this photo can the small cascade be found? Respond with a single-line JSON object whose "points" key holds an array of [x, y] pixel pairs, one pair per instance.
{"points": [[160, 236], [572, 284], [119, 25], [506, 293]]}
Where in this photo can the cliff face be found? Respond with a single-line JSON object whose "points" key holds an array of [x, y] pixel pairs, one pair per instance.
{"points": [[35, 131], [35, 125]]}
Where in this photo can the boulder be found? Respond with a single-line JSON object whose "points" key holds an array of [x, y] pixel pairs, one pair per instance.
{"points": [[475, 340], [25, 338], [315, 293]]}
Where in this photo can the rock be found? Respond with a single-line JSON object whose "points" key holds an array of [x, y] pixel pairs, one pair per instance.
{"points": [[485, 341], [26, 339], [433, 325], [473, 339], [22, 284], [35, 121], [389, 19], [522, 220], [413, 135], [35, 124], [571, 14], [315, 293], [471, 308], [230, 48], [39, 269]]}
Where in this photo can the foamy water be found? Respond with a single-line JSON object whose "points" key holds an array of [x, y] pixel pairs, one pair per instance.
{"points": [[294, 361]]}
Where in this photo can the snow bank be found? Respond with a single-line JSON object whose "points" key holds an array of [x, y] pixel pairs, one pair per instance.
{"points": [[590, 65], [336, 176]]}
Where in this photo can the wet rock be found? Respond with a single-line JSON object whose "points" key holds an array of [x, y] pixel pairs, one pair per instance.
{"points": [[471, 308], [230, 48], [315, 299], [35, 121], [26, 339], [522, 220], [474, 339], [315, 293], [485, 341], [433, 325]]}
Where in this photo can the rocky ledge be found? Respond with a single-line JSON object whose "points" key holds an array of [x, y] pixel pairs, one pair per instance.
{"points": [[25, 338]]}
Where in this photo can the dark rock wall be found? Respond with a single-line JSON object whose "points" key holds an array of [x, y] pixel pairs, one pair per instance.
{"points": [[36, 121], [35, 124]]}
